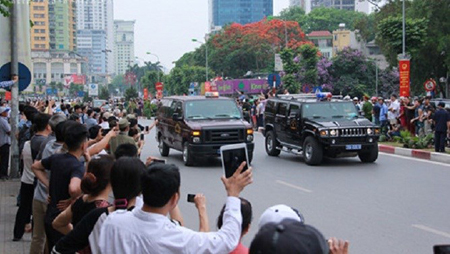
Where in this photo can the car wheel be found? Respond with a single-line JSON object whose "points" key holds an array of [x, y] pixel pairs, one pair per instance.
{"points": [[271, 144], [312, 151], [369, 156], [187, 156], [163, 148]]}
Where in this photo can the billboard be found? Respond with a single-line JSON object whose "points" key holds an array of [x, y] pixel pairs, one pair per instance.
{"points": [[248, 86], [74, 78]]}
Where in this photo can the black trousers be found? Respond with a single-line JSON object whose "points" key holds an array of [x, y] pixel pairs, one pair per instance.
{"points": [[4, 160], [53, 236], [25, 209], [439, 141]]}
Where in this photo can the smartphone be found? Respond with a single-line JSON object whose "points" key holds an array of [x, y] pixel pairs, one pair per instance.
{"points": [[190, 198], [142, 136], [146, 128], [441, 249], [159, 161], [232, 157]]}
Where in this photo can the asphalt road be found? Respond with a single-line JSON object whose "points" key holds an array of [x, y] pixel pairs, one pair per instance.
{"points": [[396, 205]]}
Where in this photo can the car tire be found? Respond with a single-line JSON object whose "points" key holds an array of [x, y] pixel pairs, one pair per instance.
{"points": [[271, 144], [163, 147], [187, 155], [369, 156], [312, 151]]}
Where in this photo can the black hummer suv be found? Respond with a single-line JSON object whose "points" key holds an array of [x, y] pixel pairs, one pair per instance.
{"points": [[199, 125], [318, 128]]}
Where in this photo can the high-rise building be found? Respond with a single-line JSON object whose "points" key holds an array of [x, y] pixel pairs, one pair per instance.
{"points": [[123, 45], [93, 17], [223, 12], [299, 3], [54, 25]]}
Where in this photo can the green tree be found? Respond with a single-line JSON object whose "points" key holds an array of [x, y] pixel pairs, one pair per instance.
{"points": [[308, 63], [60, 86], [353, 73], [296, 13], [179, 79], [130, 93], [52, 86], [366, 26], [329, 19], [150, 78], [103, 93], [4, 7]]}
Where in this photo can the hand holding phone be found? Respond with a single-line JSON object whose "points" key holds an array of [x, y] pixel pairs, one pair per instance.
{"points": [[190, 198], [142, 136], [146, 128]]}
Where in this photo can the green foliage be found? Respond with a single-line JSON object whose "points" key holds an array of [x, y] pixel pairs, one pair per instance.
{"points": [[179, 79], [130, 93], [149, 109], [149, 80], [390, 35], [410, 141], [366, 26], [103, 93], [308, 63], [4, 7], [74, 89]]}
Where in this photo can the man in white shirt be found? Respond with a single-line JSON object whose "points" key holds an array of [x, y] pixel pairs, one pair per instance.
{"points": [[394, 108], [148, 230]]}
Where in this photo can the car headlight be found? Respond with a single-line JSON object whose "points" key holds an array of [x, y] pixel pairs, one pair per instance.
{"points": [[196, 140], [324, 133], [333, 133], [250, 138], [369, 131]]}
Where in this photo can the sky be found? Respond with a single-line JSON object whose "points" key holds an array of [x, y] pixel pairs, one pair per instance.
{"points": [[166, 27]]}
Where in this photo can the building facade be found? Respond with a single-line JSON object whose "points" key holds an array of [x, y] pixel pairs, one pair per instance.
{"points": [[223, 12], [123, 45], [324, 41], [54, 66], [351, 5], [40, 32], [91, 45], [97, 16]]}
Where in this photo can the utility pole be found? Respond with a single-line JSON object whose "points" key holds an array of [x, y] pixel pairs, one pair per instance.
{"points": [[404, 32], [14, 152]]}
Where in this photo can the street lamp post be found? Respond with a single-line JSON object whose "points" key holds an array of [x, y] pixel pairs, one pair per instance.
{"points": [[404, 32], [157, 57], [206, 55]]}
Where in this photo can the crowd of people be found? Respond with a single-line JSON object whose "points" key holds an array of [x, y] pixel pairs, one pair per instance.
{"points": [[417, 116], [84, 189]]}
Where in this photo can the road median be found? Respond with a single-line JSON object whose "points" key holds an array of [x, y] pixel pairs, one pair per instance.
{"points": [[415, 153]]}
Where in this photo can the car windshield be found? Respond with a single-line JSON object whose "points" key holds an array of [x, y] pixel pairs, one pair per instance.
{"points": [[330, 110], [212, 109]]}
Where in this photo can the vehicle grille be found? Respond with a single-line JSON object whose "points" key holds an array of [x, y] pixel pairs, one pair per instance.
{"points": [[352, 132], [225, 135]]}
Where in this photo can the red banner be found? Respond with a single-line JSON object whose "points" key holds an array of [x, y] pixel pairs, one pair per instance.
{"points": [[207, 86], [404, 67], [145, 94]]}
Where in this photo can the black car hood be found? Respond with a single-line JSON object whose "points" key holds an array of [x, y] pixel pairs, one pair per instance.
{"points": [[341, 123], [218, 123]]}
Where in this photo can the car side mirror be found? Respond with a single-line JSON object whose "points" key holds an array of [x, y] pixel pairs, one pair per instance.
{"points": [[177, 117]]}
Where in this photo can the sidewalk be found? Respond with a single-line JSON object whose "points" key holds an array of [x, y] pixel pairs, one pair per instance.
{"points": [[416, 153], [8, 193]]}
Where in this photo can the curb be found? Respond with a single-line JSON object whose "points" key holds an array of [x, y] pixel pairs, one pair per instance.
{"points": [[415, 153]]}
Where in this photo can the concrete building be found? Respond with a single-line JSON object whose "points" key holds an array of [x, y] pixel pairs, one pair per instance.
{"points": [[223, 12], [324, 41], [54, 25], [343, 38], [97, 16], [300, 3], [91, 44], [123, 45], [54, 66]]}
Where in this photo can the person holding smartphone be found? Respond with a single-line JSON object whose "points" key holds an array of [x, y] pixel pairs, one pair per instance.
{"points": [[150, 229]]}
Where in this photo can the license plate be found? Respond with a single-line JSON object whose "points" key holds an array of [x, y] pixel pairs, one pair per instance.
{"points": [[353, 147]]}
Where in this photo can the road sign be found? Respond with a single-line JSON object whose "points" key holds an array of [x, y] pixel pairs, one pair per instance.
{"points": [[24, 79], [93, 90], [317, 89], [430, 85], [159, 86], [278, 63], [274, 80]]}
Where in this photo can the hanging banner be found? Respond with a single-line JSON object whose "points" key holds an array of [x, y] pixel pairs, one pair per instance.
{"points": [[145, 94], [404, 67]]}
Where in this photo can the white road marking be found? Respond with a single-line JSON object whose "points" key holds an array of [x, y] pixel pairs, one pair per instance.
{"points": [[415, 159], [293, 186], [431, 230]]}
